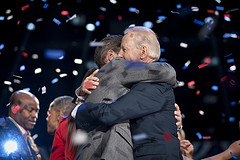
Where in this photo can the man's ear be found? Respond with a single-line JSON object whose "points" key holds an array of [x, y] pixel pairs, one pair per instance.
{"points": [[59, 116], [110, 55], [143, 53]]}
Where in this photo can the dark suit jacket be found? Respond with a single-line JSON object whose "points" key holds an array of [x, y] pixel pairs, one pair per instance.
{"points": [[114, 143], [150, 109], [10, 132]]}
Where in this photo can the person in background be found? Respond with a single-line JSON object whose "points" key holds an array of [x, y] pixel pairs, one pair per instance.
{"points": [[15, 136], [58, 114]]}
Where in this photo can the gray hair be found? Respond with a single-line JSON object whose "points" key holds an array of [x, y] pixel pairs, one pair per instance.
{"points": [[149, 40], [63, 103]]}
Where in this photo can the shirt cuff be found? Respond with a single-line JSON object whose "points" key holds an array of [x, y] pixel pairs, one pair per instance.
{"points": [[74, 112]]}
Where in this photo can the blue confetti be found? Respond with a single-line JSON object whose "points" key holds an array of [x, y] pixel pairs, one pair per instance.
{"points": [[184, 67], [179, 6], [162, 50], [44, 0], [231, 71], [45, 5], [56, 21], [231, 119], [131, 9], [215, 88], [199, 135], [55, 80], [223, 115], [227, 19], [220, 8], [230, 60], [162, 17], [198, 22], [26, 89], [233, 103], [22, 68], [1, 46], [2, 18]]}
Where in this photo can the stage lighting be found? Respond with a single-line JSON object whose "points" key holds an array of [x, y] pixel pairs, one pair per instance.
{"points": [[10, 146]]}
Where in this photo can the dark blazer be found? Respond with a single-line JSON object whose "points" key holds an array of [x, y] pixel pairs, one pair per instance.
{"points": [[116, 77], [150, 109], [10, 132]]}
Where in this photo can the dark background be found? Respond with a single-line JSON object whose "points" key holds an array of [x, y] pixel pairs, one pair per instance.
{"points": [[221, 119]]}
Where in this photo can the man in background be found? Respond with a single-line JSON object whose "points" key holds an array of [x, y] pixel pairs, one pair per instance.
{"points": [[15, 137]]}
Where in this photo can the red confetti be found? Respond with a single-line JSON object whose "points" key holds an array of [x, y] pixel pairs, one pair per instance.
{"points": [[187, 146], [206, 137], [167, 136], [202, 65], [223, 78], [24, 54], [210, 11], [18, 22], [64, 13], [100, 16], [191, 83], [88, 85], [14, 110], [25, 7], [227, 15], [48, 113], [119, 18], [198, 92], [207, 60]]}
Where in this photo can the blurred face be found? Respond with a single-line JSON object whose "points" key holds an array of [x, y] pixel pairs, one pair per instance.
{"points": [[27, 115], [53, 120], [128, 49]]}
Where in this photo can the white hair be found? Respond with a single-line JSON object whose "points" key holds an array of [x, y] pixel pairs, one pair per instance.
{"points": [[150, 40]]}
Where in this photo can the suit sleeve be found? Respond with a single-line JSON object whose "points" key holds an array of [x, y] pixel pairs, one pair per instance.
{"points": [[143, 99], [148, 72]]}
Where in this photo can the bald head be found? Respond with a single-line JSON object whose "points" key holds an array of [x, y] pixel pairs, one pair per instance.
{"points": [[24, 108]]}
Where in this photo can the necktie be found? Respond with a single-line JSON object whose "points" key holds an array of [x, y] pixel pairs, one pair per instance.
{"points": [[34, 150]]}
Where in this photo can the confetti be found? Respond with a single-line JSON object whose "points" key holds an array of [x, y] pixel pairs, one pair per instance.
{"points": [[223, 78], [202, 65], [44, 89], [232, 119], [230, 60], [79, 137], [75, 73], [113, 1], [88, 85], [191, 83], [63, 75], [184, 45], [38, 70], [25, 7], [15, 109], [24, 54], [210, 11], [138, 137], [119, 18], [214, 88], [64, 13], [220, 8], [71, 18], [201, 112], [56, 21], [199, 135], [9, 17], [1, 46], [187, 146], [132, 9], [55, 80], [206, 137], [167, 136], [2, 18], [22, 68], [197, 92], [78, 61], [96, 44], [7, 82], [198, 22], [45, 5], [35, 136]]}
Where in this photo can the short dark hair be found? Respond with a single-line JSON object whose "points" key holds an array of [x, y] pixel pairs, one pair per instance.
{"points": [[112, 42], [63, 103]]}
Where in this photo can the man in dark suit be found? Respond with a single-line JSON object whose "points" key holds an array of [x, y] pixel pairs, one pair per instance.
{"points": [[150, 102], [15, 138]]}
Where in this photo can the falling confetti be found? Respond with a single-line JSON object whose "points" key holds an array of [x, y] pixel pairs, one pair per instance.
{"points": [[139, 137], [167, 136], [202, 65], [56, 21], [25, 7], [15, 109]]}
